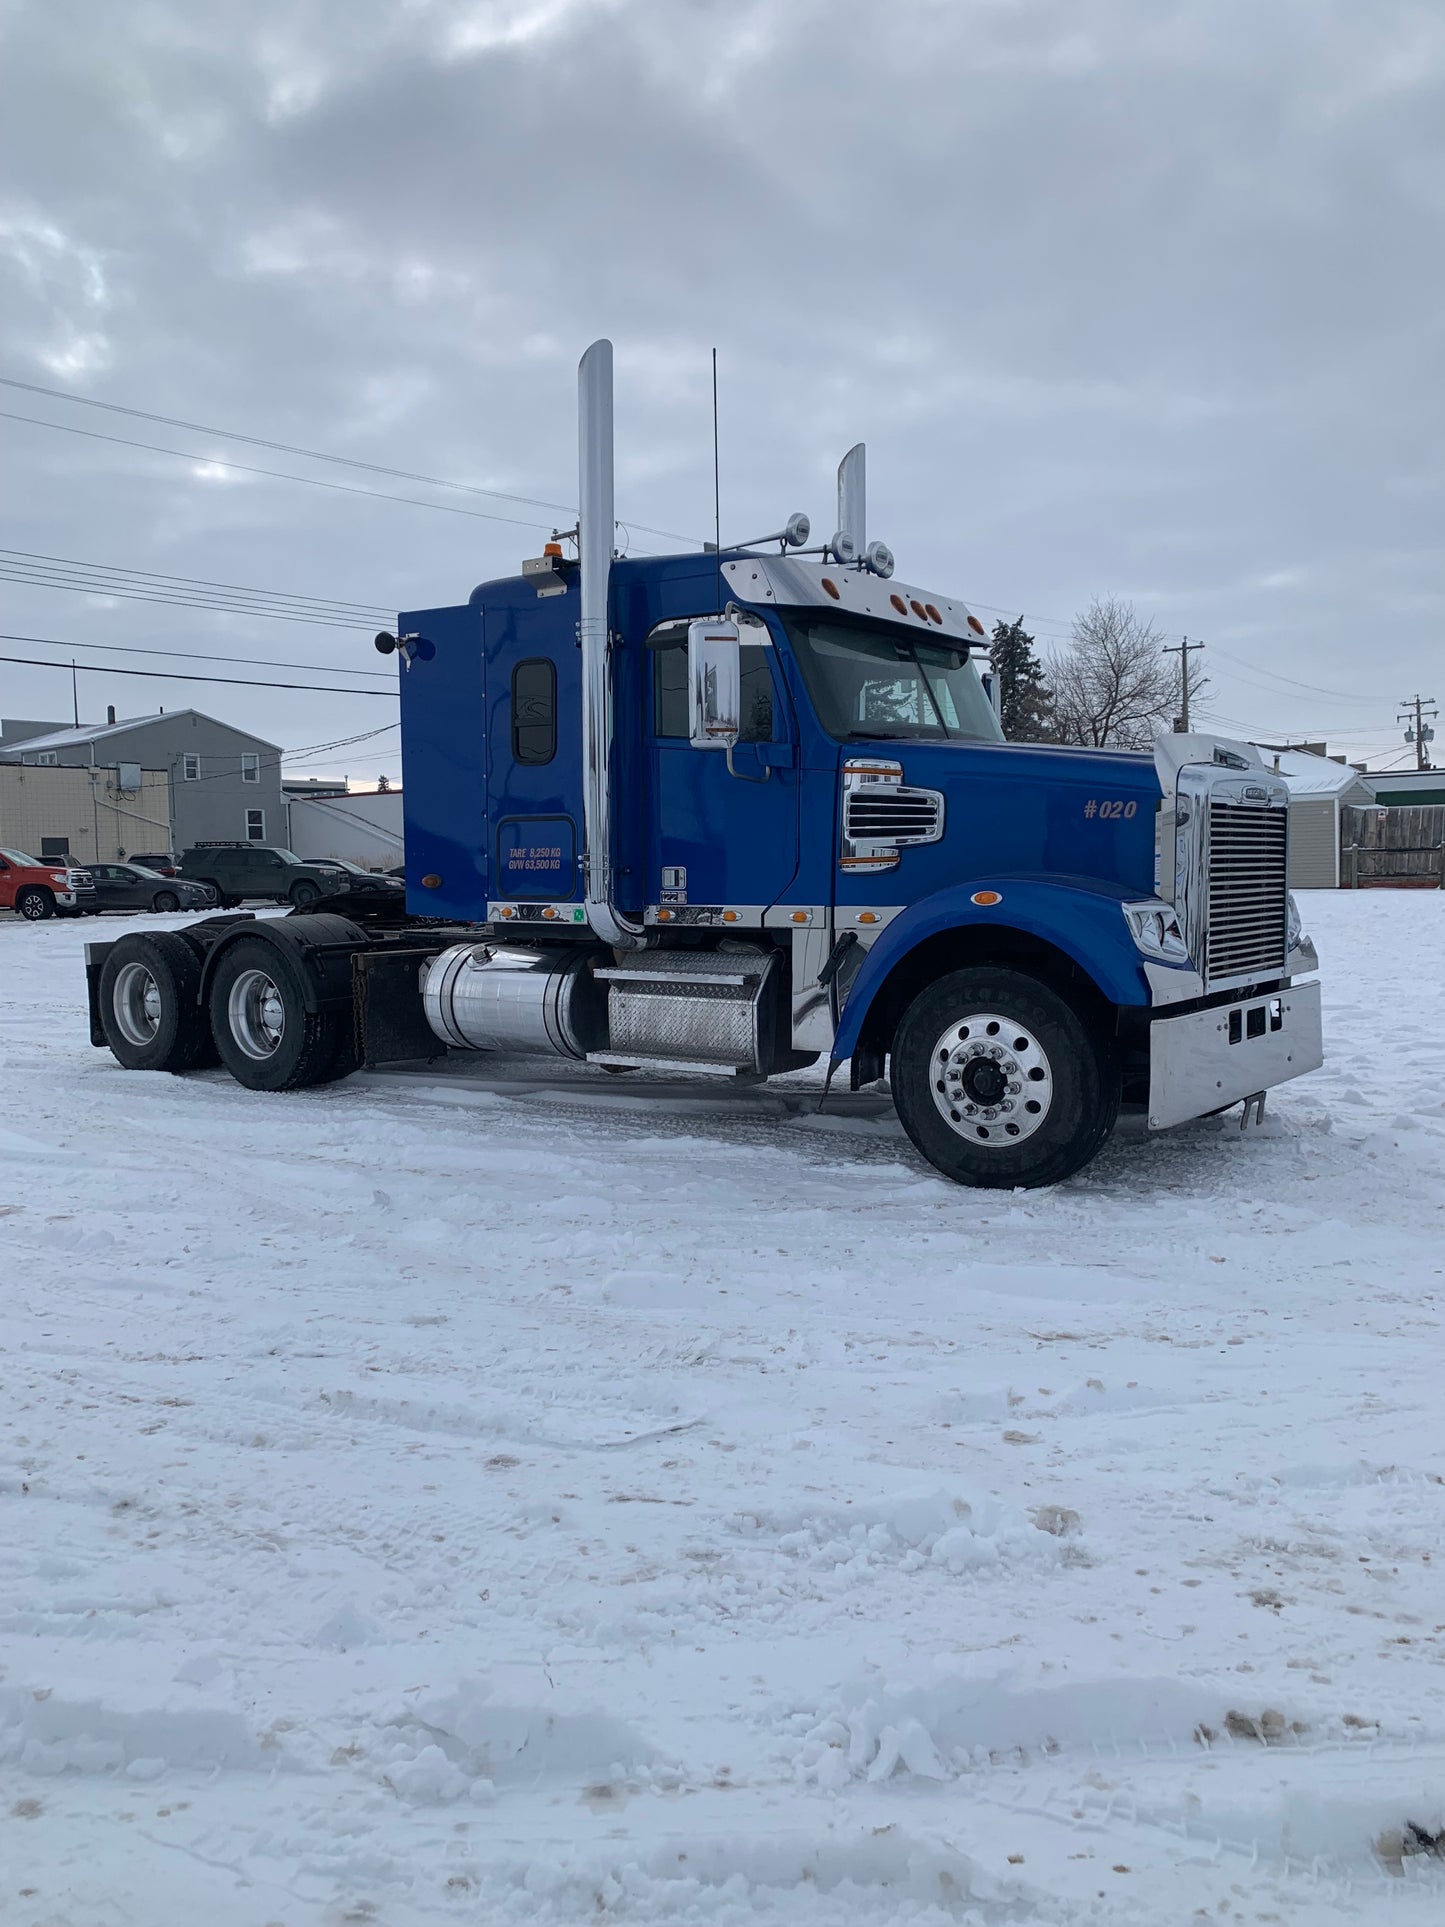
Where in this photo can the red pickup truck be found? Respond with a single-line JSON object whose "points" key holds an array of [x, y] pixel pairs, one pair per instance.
{"points": [[37, 890]]}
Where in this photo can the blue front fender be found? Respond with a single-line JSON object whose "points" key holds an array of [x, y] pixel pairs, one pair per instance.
{"points": [[1083, 922]]}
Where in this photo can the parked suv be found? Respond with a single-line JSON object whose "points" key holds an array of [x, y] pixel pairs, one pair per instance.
{"points": [[239, 870], [165, 863], [36, 889]]}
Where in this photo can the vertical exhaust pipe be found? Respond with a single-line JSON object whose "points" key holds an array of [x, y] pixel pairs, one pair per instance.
{"points": [[595, 526], [852, 497]]}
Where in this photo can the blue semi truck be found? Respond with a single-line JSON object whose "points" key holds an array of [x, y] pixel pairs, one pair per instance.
{"points": [[737, 812]]}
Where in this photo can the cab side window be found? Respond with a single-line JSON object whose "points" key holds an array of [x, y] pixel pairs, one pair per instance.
{"points": [[667, 646]]}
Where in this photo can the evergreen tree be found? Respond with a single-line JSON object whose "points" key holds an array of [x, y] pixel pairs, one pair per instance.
{"points": [[1026, 703]]}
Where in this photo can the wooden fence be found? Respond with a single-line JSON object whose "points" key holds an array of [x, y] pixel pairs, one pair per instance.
{"points": [[1400, 848]]}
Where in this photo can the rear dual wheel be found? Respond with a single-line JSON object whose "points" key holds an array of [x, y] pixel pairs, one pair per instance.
{"points": [[1001, 1082], [150, 1007], [267, 1039]]}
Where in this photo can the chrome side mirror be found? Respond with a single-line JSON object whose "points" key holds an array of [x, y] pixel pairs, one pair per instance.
{"points": [[714, 683]]}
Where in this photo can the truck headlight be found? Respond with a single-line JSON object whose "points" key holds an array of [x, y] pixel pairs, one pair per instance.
{"points": [[1154, 926], [1296, 924]]}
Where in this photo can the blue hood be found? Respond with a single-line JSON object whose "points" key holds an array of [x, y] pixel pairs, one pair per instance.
{"points": [[1014, 809]]}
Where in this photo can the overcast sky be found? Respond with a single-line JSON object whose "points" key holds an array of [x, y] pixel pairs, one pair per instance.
{"points": [[1126, 297]]}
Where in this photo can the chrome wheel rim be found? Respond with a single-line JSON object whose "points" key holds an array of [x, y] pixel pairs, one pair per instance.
{"points": [[256, 1013], [991, 1080], [136, 1003]]}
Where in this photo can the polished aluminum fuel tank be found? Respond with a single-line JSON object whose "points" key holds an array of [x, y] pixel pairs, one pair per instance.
{"points": [[481, 996]]}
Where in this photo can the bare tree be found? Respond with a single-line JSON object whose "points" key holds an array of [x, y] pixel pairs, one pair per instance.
{"points": [[1112, 685]]}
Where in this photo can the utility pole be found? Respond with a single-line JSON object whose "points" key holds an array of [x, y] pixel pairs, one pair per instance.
{"points": [[1184, 648], [1417, 708], [74, 694]]}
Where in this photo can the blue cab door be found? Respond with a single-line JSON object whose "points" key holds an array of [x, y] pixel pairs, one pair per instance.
{"points": [[715, 838]]}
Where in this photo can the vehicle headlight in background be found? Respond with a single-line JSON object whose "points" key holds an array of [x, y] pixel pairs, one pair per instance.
{"points": [[1155, 929]]}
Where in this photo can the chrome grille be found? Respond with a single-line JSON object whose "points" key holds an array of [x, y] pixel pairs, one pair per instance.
{"points": [[1248, 890], [882, 814], [892, 813]]}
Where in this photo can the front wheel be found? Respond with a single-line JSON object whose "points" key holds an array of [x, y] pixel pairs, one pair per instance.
{"points": [[35, 905], [164, 901], [304, 895], [1000, 1081]]}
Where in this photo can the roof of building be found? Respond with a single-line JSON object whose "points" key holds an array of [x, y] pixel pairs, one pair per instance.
{"points": [[1310, 775], [96, 732]]}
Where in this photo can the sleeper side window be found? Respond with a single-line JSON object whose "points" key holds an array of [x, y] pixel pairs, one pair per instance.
{"points": [[534, 711]]}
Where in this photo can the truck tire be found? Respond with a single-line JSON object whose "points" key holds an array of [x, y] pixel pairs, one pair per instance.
{"points": [[35, 904], [1000, 1081], [149, 1004], [304, 894], [266, 1037]]}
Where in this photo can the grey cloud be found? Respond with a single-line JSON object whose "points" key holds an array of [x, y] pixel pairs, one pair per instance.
{"points": [[1126, 297]]}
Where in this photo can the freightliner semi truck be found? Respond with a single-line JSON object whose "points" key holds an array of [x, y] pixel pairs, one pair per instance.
{"points": [[740, 811]]}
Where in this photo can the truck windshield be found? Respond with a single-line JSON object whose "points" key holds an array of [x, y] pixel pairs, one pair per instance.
{"points": [[876, 682]]}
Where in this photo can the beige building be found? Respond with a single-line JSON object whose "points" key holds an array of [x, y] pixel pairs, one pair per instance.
{"points": [[91, 815]]}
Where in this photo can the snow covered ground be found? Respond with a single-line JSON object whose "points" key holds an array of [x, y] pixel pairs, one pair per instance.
{"points": [[523, 1499]]}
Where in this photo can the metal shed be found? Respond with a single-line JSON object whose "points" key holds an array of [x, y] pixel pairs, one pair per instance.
{"points": [[1319, 788]]}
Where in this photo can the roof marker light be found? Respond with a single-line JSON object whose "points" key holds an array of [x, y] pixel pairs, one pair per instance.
{"points": [[976, 626], [831, 586]]}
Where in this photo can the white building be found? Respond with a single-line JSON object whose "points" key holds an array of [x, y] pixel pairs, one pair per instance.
{"points": [[364, 827]]}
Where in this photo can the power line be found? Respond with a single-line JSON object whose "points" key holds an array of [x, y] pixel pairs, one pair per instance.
{"points": [[200, 582], [214, 605], [313, 454], [275, 474], [201, 655], [170, 675]]}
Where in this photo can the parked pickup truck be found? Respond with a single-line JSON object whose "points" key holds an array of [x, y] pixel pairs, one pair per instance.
{"points": [[36, 890]]}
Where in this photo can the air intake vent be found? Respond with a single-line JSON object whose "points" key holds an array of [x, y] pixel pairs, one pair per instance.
{"points": [[882, 815], [1248, 891]]}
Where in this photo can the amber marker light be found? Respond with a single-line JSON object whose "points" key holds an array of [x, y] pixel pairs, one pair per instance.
{"points": [[899, 604], [867, 916], [800, 916], [432, 882], [975, 625], [986, 897], [730, 916], [831, 586], [664, 916]]}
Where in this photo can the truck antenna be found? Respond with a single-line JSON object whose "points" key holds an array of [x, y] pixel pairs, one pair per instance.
{"points": [[716, 492]]}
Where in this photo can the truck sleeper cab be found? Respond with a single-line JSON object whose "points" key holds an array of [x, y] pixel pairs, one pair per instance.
{"points": [[735, 813]]}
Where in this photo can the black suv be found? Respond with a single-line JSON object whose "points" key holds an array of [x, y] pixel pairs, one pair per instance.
{"points": [[239, 870]]}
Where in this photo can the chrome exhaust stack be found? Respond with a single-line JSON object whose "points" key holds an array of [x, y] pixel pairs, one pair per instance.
{"points": [[595, 528]]}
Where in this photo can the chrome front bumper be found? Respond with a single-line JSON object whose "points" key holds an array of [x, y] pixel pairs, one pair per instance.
{"points": [[1205, 1060]]}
